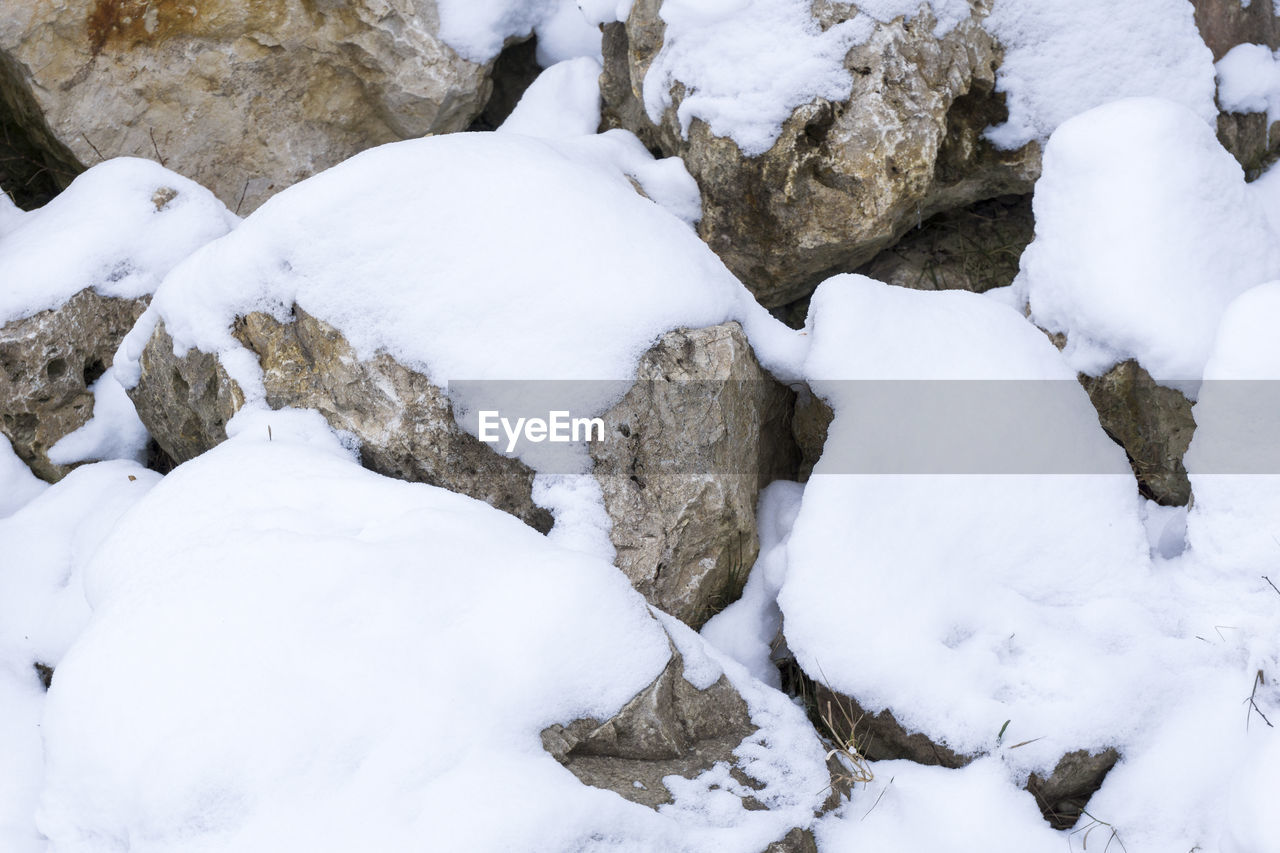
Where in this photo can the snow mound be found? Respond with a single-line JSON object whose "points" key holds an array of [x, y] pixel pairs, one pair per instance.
{"points": [[1249, 81], [114, 431], [963, 601], [366, 662], [747, 64], [1064, 57], [1145, 230], [18, 486], [466, 257], [119, 228], [43, 548]]}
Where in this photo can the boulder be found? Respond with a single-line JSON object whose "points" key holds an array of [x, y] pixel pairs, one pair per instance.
{"points": [[844, 180], [682, 461], [245, 98], [47, 363], [1224, 24]]}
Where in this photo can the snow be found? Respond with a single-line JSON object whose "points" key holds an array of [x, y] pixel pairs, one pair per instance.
{"points": [[963, 601], [747, 64], [564, 101], [1065, 57], [114, 431], [105, 232], [479, 29], [10, 214], [18, 486], [581, 274], [1145, 231], [43, 548], [367, 662], [1249, 81]]}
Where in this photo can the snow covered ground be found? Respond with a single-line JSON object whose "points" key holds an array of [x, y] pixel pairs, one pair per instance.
{"points": [[271, 648]]}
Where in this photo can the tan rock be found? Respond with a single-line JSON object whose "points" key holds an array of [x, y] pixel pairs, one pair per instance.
{"points": [[243, 97], [684, 456], [47, 362], [844, 180]]}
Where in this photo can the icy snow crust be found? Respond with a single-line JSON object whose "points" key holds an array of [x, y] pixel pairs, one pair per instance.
{"points": [[104, 232], [287, 651], [466, 257]]}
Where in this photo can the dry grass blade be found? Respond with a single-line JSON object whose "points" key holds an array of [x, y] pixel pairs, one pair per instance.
{"points": [[858, 768]]}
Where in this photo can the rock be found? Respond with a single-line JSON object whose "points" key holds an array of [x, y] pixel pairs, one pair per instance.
{"points": [[47, 363], [1061, 797], [1223, 24], [974, 248], [1152, 423], [1078, 776], [684, 456], [809, 425], [245, 98], [844, 180], [670, 728], [33, 166]]}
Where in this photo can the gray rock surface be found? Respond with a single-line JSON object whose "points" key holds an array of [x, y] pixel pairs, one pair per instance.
{"points": [[243, 97], [844, 180], [47, 363], [684, 455]]}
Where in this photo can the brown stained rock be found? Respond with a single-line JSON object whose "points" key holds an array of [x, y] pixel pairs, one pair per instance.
{"points": [[244, 96], [47, 362], [844, 180], [1152, 423], [809, 425], [685, 455]]}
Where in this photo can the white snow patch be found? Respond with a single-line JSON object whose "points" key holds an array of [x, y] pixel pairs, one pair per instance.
{"points": [[564, 101], [18, 486], [478, 29], [10, 214], [1145, 230], [105, 232], [1063, 57], [114, 431]]}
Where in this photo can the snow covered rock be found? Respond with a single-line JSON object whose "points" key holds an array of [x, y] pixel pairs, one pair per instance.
{"points": [[360, 294], [1226, 24], [374, 662], [245, 98], [942, 606], [816, 142], [77, 274]]}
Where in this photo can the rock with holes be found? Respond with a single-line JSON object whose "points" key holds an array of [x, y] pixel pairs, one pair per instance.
{"points": [[844, 179], [244, 97], [47, 363], [1224, 24], [682, 460]]}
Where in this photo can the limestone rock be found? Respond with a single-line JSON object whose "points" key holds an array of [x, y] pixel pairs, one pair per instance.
{"points": [[844, 180], [1223, 24], [47, 363], [1152, 423], [1061, 797], [243, 97], [684, 456]]}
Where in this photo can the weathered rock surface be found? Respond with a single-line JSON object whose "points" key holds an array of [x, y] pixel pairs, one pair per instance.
{"points": [[1061, 797], [243, 97], [975, 248], [1152, 423], [844, 180], [47, 362], [684, 456], [1223, 24], [670, 728]]}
